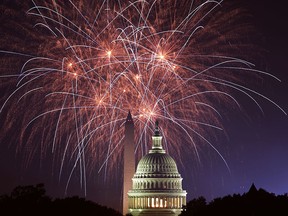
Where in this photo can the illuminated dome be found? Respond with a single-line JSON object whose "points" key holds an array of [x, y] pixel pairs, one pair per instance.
{"points": [[157, 184], [157, 165]]}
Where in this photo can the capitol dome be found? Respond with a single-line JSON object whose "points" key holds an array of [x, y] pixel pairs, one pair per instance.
{"points": [[157, 165], [157, 184]]}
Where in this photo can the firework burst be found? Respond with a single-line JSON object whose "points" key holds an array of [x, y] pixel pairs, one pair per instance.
{"points": [[84, 64]]}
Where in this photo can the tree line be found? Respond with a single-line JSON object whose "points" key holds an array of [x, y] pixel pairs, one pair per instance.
{"points": [[32, 200], [256, 202]]}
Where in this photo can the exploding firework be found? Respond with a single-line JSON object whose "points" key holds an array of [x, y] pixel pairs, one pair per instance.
{"points": [[82, 65]]}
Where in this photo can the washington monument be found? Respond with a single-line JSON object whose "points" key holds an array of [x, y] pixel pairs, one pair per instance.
{"points": [[129, 160]]}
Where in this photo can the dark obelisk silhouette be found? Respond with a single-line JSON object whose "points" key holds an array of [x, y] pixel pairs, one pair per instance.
{"points": [[129, 160]]}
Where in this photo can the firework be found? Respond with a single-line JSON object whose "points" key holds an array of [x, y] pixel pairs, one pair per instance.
{"points": [[82, 66]]}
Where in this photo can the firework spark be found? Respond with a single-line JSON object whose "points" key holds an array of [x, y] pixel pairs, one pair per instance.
{"points": [[83, 66]]}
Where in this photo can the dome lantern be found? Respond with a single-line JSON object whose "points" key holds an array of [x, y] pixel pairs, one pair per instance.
{"points": [[157, 140]]}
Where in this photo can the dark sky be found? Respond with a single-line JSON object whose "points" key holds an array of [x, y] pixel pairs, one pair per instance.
{"points": [[258, 145], [266, 143], [263, 143]]}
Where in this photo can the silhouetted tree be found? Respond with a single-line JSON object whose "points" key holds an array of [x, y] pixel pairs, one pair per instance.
{"points": [[31, 200], [253, 203], [79, 206], [195, 207]]}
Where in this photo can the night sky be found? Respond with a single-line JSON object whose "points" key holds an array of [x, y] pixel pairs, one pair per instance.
{"points": [[256, 145]]}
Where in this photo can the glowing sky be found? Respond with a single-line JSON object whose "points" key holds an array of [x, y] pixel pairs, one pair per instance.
{"points": [[257, 146]]}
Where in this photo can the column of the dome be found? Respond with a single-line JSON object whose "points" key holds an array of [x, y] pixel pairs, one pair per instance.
{"points": [[183, 200], [130, 204], [148, 202], [174, 202], [138, 202], [141, 202], [134, 202]]}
